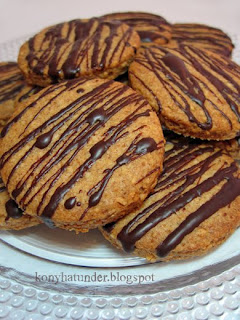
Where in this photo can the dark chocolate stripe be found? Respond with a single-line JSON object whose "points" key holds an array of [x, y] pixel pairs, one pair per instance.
{"points": [[228, 193], [82, 125], [13, 211], [2, 186], [83, 42], [167, 206], [150, 27], [211, 38], [160, 60], [177, 170]]}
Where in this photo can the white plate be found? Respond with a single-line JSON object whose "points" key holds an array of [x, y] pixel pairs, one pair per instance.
{"points": [[86, 249]]}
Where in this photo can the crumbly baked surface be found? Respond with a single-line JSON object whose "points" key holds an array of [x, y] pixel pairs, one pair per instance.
{"points": [[196, 92], [150, 27], [82, 153], [231, 147], [193, 208], [78, 48]]}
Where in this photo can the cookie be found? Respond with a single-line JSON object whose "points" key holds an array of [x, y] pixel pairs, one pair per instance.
{"points": [[194, 207], [26, 92], [231, 147], [196, 92], [78, 48], [11, 217], [150, 27], [11, 82], [201, 36], [82, 153]]}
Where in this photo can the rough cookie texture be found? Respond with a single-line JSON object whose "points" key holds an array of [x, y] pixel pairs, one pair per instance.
{"points": [[26, 92], [78, 48], [11, 82], [231, 147], [201, 36], [196, 92], [194, 207], [82, 153], [11, 217], [150, 27]]}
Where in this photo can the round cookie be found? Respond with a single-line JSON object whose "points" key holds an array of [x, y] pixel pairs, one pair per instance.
{"points": [[194, 207], [201, 36], [78, 48], [150, 27], [82, 153], [196, 92], [11, 217], [11, 82]]}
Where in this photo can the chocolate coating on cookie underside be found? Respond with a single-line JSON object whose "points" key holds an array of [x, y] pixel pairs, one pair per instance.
{"points": [[187, 179], [100, 105], [202, 86], [202, 36], [150, 27], [11, 81], [78, 48]]}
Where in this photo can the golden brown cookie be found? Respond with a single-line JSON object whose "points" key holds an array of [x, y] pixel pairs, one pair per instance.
{"points": [[78, 48], [26, 92], [11, 82], [150, 27], [231, 147], [11, 217], [82, 153], [194, 207], [201, 36], [196, 92]]}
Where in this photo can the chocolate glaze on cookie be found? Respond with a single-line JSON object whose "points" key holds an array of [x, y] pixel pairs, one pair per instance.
{"points": [[78, 48], [190, 172], [202, 86], [11, 81], [150, 27], [201, 36], [60, 145]]}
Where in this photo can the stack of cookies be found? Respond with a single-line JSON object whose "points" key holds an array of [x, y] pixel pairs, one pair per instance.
{"points": [[125, 123]]}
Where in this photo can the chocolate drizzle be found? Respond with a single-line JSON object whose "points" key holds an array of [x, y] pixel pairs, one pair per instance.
{"points": [[2, 186], [150, 27], [82, 118], [13, 211], [70, 203], [78, 47], [179, 171], [171, 67], [203, 36], [11, 81]]}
